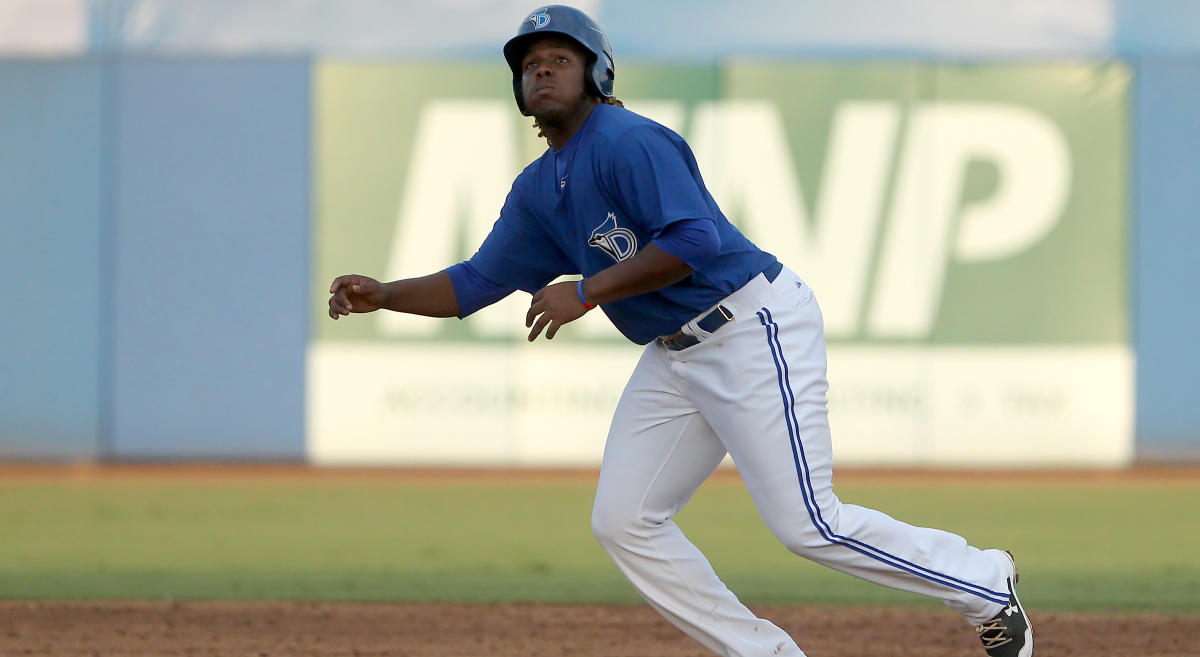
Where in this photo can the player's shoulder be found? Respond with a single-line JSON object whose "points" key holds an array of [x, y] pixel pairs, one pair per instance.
{"points": [[617, 124], [530, 173]]}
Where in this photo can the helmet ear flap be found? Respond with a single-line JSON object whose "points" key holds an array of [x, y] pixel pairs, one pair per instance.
{"points": [[603, 75], [598, 76]]}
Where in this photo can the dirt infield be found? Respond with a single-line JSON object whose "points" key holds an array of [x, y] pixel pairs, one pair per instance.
{"points": [[309, 629]]}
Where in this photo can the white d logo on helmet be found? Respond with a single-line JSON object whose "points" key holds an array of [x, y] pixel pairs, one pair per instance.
{"points": [[539, 20]]}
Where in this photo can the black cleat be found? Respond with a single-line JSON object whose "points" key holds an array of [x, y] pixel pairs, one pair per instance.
{"points": [[1008, 633]]}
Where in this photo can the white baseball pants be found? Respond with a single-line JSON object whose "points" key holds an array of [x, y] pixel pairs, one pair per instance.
{"points": [[756, 389]]}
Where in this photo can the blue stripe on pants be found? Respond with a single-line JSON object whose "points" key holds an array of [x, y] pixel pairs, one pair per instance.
{"points": [[806, 488]]}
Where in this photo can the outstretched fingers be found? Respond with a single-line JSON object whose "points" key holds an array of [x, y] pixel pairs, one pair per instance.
{"points": [[541, 323], [537, 306]]}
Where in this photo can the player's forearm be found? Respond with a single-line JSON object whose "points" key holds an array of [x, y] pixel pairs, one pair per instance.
{"points": [[432, 296], [651, 269]]}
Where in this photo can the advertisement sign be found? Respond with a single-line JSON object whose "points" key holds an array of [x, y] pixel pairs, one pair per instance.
{"points": [[964, 228]]}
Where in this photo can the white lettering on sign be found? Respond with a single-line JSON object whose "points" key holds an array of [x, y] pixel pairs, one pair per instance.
{"points": [[878, 264], [462, 167], [928, 226], [744, 156]]}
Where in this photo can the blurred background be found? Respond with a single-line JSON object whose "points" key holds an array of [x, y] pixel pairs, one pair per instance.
{"points": [[995, 203]]}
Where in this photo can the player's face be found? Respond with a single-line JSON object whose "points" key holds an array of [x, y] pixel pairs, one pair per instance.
{"points": [[552, 77]]}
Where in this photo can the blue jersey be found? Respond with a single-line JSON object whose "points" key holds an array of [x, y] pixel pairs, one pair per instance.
{"points": [[617, 185]]}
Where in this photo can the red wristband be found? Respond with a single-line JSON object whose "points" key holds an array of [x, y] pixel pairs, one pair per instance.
{"points": [[582, 299]]}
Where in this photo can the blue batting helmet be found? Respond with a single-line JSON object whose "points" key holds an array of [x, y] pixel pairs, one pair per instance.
{"points": [[568, 22]]}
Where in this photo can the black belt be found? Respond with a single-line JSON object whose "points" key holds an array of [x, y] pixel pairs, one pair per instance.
{"points": [[713, 319], [710, 322]]}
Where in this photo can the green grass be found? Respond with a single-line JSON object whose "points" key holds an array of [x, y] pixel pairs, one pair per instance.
{"points": [[1080, 546]]}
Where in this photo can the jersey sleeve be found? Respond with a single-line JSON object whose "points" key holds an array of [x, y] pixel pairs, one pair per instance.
{"points": [[694, 241], [472, 290], [516, 255], [657, 178]]}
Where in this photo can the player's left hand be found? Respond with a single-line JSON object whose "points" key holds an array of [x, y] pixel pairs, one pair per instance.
{"points": [[553, 306]]}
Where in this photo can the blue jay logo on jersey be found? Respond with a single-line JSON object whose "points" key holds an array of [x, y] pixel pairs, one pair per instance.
{"points": [[620, 243], [540, 20]]}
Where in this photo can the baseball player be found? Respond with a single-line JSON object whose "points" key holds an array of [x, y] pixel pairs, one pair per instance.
{"points": [[734, 360]]}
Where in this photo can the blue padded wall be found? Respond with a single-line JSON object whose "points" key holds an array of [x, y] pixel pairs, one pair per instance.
{"points": [[211, 249]]}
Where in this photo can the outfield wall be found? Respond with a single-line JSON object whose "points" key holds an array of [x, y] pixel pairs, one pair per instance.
{"points": [[170, 223], [156, 232], [1166, 273], [53, 218]]}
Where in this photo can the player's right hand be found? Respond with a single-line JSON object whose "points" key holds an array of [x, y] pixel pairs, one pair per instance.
{"points": [[355, 294]]}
